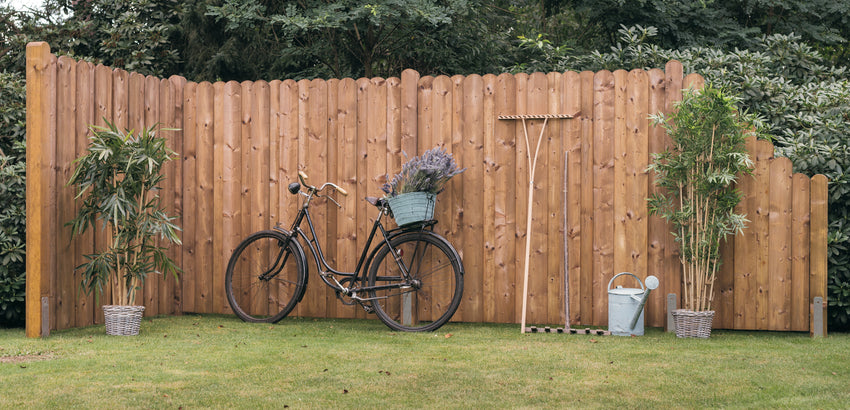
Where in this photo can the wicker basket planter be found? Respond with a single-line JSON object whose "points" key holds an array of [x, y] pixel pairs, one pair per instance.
{"points": [[412, 207], [693, 324], [122, 320]]}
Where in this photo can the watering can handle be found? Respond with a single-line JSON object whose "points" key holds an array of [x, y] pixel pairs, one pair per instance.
{"points": [[626, 273]]}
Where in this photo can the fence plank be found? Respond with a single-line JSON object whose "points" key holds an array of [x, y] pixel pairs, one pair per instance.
{"points": [[573, 144], [179, 84], [120, 99], [171, 98], [347, 176], [779, 242], [603, 181], [106, 92], [505, 203], [84, 245], [657, 228], [409, 110], [289, 126], [587, 205], [190, 217], [473, 156], [818, 252], [277, 185], [454, 131], [154, 284], [674, 84], [229, 177], [621, 149], [439, 132], [554, 196], [635, 164], [763, 153], [259, 178], [429, 136], [364, 184], [745, 263], [204, 135], [314, 130], [489, 198], [332, 95], [800, 245], [66, 90], [218, 151]]}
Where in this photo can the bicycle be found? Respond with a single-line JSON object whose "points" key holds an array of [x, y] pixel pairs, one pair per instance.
{"points": [[414, 280]]}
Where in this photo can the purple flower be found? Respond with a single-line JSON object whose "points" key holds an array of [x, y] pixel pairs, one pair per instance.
{"points": [[426, 173]]}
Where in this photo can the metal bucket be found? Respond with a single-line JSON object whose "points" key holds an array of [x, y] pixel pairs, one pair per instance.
{"points": [[625, 306]]}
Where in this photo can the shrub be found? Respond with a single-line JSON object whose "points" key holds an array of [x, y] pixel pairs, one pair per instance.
{"points": [[12, 199]]}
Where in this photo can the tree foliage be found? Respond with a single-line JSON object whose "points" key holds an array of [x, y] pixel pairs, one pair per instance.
{"points": [[12, 198], [136, 35], [352, 38]]}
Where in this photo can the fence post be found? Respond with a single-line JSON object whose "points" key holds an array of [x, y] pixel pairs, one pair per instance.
{"points": [[671, 306], [40, 204], [818, 247]]}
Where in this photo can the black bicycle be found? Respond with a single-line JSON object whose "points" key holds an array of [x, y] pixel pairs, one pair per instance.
{"points": [[412, 279]]}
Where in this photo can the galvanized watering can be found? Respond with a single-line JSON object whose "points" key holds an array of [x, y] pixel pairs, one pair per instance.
{"points": [[625, 306]]}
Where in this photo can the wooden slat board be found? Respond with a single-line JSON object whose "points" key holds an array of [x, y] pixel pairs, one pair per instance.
{"points": [[572, 94], [603, 194], [86, 109], [241, 144], [505, 204], [66, 90]]}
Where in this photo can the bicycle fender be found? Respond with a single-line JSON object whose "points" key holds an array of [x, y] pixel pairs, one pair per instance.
{"points": [[301, 255], [454, 251]]}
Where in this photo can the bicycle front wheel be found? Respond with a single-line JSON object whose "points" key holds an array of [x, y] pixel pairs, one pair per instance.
{"points": [[266, 277], [429, 294]]}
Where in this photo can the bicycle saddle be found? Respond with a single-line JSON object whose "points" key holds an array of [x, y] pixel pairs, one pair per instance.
{"points": [[378, 202]]}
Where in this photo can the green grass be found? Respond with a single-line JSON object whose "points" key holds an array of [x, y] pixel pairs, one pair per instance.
{"points": [[217, 361]]}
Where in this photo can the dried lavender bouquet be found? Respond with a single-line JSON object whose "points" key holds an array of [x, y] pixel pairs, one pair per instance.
{"points": [[426, 173]]}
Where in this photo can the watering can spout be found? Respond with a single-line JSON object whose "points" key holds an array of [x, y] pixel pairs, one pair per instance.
{"points": [[651, 283]]}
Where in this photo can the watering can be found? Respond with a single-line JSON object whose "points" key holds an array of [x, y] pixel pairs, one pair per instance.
{"points": [[625, 306]]}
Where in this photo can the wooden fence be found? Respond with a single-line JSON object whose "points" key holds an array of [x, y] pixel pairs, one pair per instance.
{"points": [[240, 144]]}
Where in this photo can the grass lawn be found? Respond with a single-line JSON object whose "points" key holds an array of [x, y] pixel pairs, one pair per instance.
{"points": [[217, 361]]}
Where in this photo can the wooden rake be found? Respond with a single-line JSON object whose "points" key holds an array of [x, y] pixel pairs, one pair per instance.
{"points": [[533, 165]]}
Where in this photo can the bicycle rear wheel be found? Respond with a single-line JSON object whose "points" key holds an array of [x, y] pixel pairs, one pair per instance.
{"points": [[431, 294], [266, 277]]}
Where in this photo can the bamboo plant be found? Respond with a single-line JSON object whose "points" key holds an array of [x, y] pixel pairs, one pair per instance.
{"points": [[696, 175], [118, 179]]}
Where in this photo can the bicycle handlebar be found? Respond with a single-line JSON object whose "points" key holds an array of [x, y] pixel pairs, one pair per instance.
{"points": [[303, 177]]}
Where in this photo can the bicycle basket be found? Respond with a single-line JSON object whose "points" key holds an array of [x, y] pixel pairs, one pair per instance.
{"points": [[412, 207]]}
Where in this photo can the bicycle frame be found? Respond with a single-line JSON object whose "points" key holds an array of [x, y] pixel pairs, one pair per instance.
{"points": [[326, 272]]}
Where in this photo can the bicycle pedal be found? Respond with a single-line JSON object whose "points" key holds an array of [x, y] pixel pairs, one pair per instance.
{"points": [[368, 308]]}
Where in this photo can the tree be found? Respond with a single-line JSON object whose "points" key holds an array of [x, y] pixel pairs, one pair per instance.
{"points": [[136, 35], [352, 38]]}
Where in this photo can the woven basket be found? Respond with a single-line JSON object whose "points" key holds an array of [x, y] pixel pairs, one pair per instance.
{"points": [[412, 207], [122, 320], [693, 324]]}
